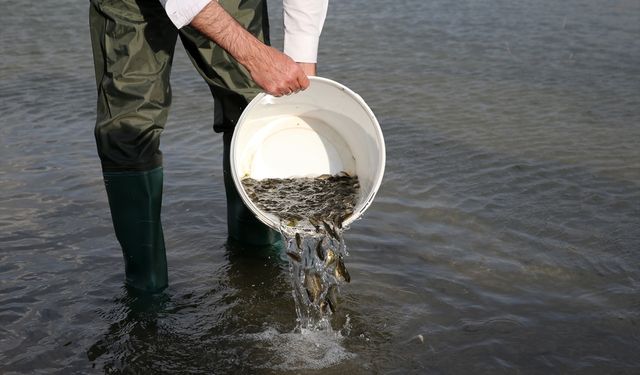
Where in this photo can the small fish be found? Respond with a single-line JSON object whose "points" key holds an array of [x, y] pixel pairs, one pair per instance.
{"points": [[341, 220], [294, 256], [313, 285], [249, 181], [341, 272], [292, 223], [330, 258], [324, 305], [332, 298], [319, 251], [315, 223], [330, 230], [298, 241]]}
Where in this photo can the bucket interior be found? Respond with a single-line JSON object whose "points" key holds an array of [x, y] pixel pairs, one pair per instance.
{"points": [[325, 129]]}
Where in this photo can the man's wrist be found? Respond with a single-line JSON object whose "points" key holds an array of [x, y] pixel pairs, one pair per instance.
{"points": [[253, 53], [308, 68]]}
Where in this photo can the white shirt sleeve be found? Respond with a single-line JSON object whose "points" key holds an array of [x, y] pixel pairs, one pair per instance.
{"points": [[303, 21], [182, 12]]}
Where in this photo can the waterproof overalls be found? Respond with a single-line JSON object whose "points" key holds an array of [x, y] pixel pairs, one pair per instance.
{"points": [[133, 45]]}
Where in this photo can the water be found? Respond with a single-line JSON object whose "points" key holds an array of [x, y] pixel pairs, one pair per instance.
{"points": [[311, 212], [505, 233]]}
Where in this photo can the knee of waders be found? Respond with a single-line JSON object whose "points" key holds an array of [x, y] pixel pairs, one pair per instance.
{"points": [[132, 145]]}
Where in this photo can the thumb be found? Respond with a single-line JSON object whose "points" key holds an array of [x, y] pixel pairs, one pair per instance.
{"points": [[303, 80]]}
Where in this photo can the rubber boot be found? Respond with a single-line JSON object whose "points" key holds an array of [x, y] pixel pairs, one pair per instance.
{"points": [[243, 226], [135, 199]]}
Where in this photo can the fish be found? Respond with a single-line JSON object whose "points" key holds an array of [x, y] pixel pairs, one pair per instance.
{"points": [[341, 220], [313, 285], [341, 272], [330, 258], [294, 256], [315, 223], [330, 230], [324, 306], [292, 222], [332, 298], [298, 241], [319, 251], [248, 181]]}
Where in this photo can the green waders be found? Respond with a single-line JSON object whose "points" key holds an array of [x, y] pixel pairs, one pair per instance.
{"points": [[133, 45]]}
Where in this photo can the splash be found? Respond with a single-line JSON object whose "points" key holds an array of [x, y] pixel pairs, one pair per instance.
{"points": [[312, 212], [317, 271], [293, 351]]}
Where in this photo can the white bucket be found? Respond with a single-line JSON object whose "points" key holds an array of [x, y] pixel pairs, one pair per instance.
{"points": [[325, 129]]}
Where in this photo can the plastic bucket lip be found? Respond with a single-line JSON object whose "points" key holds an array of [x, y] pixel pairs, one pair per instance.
{"points": [[263, 99]]}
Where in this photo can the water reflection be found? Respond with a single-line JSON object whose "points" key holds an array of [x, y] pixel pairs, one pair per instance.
{"points": [[135, 331], [243, 321]]}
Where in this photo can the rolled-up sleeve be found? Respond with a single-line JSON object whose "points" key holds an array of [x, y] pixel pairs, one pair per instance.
{"points": [[182, 12], [303, 21]]}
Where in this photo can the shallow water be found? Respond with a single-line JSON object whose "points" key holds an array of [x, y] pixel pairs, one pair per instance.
{"points": [[506, 232]]}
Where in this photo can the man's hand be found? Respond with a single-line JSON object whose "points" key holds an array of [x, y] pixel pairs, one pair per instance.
{"points": [[270, 69], [275, 72]]}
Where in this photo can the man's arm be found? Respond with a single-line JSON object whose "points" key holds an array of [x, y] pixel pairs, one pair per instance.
{"points": [[303, 21], [270, 69]]}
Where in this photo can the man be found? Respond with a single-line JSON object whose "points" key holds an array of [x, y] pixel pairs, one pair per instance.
{"points": [[227, 41]]}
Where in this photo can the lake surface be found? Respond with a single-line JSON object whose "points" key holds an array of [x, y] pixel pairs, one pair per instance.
{"points": [[505, 237]]}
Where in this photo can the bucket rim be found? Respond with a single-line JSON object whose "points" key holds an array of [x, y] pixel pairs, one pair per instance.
{"points": [[268, 219]]}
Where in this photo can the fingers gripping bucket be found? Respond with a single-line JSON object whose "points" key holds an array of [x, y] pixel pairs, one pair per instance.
{"points": [[325, 129]]}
